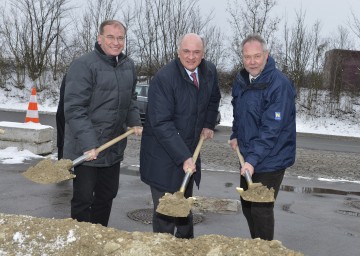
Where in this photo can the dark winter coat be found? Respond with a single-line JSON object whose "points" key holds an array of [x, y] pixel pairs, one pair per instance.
{"points": [[264, 119], [176, 114], [60, 120], [99, 104]]}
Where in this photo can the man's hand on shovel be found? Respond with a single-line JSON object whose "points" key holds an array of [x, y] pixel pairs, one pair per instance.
{"points": [[256, 191], [187, 169], [189, 165], [46, 172], [93, 153], [176, 205]]}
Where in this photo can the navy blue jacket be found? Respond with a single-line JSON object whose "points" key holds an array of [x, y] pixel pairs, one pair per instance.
{"points": [[176, 114], [265, 119]]}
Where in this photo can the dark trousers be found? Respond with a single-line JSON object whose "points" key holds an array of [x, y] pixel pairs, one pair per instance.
{"points": [[94, 189], [260, 216], [60, 152], [167, 224]]}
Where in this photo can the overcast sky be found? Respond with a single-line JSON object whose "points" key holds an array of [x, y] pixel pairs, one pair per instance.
{"points": [[331, 13]]}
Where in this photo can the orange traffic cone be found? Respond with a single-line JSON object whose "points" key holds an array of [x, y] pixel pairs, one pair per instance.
{"points": [[32, 113]]}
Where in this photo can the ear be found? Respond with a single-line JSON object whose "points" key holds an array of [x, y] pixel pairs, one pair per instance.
{"points": [[99, 39], [267, 54]]}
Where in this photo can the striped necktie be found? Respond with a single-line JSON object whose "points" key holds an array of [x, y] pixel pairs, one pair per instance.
{"points": [[193, 75]]}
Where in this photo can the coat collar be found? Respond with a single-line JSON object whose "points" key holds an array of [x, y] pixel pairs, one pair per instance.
{"points": [[201, 70], [110, 59]]}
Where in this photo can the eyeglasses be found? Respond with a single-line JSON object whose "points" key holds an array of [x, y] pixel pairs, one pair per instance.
{"points": [[112, 39]]}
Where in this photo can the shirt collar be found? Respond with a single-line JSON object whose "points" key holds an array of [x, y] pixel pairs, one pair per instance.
{"points": [[189, 72], [252, 77]]}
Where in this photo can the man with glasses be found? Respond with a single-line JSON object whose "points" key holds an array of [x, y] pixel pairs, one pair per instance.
{"points": [[99, 105], [263, 128]]}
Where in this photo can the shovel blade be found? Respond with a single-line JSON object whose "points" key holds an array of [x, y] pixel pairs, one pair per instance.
{"points": [[48, 172], [175, 205], [259, 194]]}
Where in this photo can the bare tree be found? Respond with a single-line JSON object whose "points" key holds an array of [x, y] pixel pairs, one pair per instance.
{"points": [[299, 49], [341, 40], [13, 49], [215, 49], [355, 24], [31, 31], [251, 16], [96, 12], [159, 24], [128, 14]]}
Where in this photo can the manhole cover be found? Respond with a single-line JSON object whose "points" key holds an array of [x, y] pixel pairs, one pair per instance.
{"points": [[145, 216]]}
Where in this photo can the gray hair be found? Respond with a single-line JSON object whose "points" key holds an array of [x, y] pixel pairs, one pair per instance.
{"points": [[254, 37], [182, 37]]}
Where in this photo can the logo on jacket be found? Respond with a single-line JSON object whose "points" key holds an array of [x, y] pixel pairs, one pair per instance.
{"points": [[277, 115]]}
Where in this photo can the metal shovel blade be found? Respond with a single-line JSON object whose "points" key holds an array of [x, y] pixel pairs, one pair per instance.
{"points": [[49, 172], [256, 192], [176, 205]]}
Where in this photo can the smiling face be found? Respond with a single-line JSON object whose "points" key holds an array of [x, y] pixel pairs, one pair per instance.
{"points": [[112, 39], [191, 51], [254, 57]]}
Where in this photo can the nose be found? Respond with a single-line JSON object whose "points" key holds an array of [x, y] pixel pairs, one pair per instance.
{"points": [[192, 55], [252, 60]]}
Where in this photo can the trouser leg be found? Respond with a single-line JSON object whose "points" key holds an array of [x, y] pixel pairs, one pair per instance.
{"points": [[161, 223], [185, 226], [260, 216], [60, 152], [83, 187], [167, 224], [246, 209], [106, 189]]}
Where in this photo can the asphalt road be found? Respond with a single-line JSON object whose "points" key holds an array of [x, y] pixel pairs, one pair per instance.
{"points": [[222, 133], [315, 217]]}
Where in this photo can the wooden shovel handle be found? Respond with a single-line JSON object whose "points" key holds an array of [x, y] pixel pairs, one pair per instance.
{"points": [[83, 158], [189, 172], [241, 158], [242, 163], [114, 141], [197, 149]]}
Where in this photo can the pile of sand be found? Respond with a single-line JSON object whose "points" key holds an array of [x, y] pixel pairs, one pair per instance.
{"points": [[24, 235]]}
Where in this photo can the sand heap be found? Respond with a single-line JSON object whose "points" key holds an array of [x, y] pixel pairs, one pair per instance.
{"points": [[25, 235]]}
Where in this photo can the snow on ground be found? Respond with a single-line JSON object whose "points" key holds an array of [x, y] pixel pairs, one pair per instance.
{"points": [[304, 124]]}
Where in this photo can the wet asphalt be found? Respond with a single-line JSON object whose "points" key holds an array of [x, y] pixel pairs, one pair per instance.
{"points": [[314, 217]]}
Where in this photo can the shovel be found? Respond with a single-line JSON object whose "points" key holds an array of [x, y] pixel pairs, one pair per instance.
{"points": [[189, 172], [176, 205], [256, 191], [47, 172], [82, 158]]}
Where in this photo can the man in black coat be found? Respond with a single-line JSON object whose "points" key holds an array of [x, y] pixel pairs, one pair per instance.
{"points": [[60, 121], [183, 103]]}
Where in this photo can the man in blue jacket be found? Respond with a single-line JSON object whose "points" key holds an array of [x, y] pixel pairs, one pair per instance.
{"points": [[183, 103], [263, 128]]}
